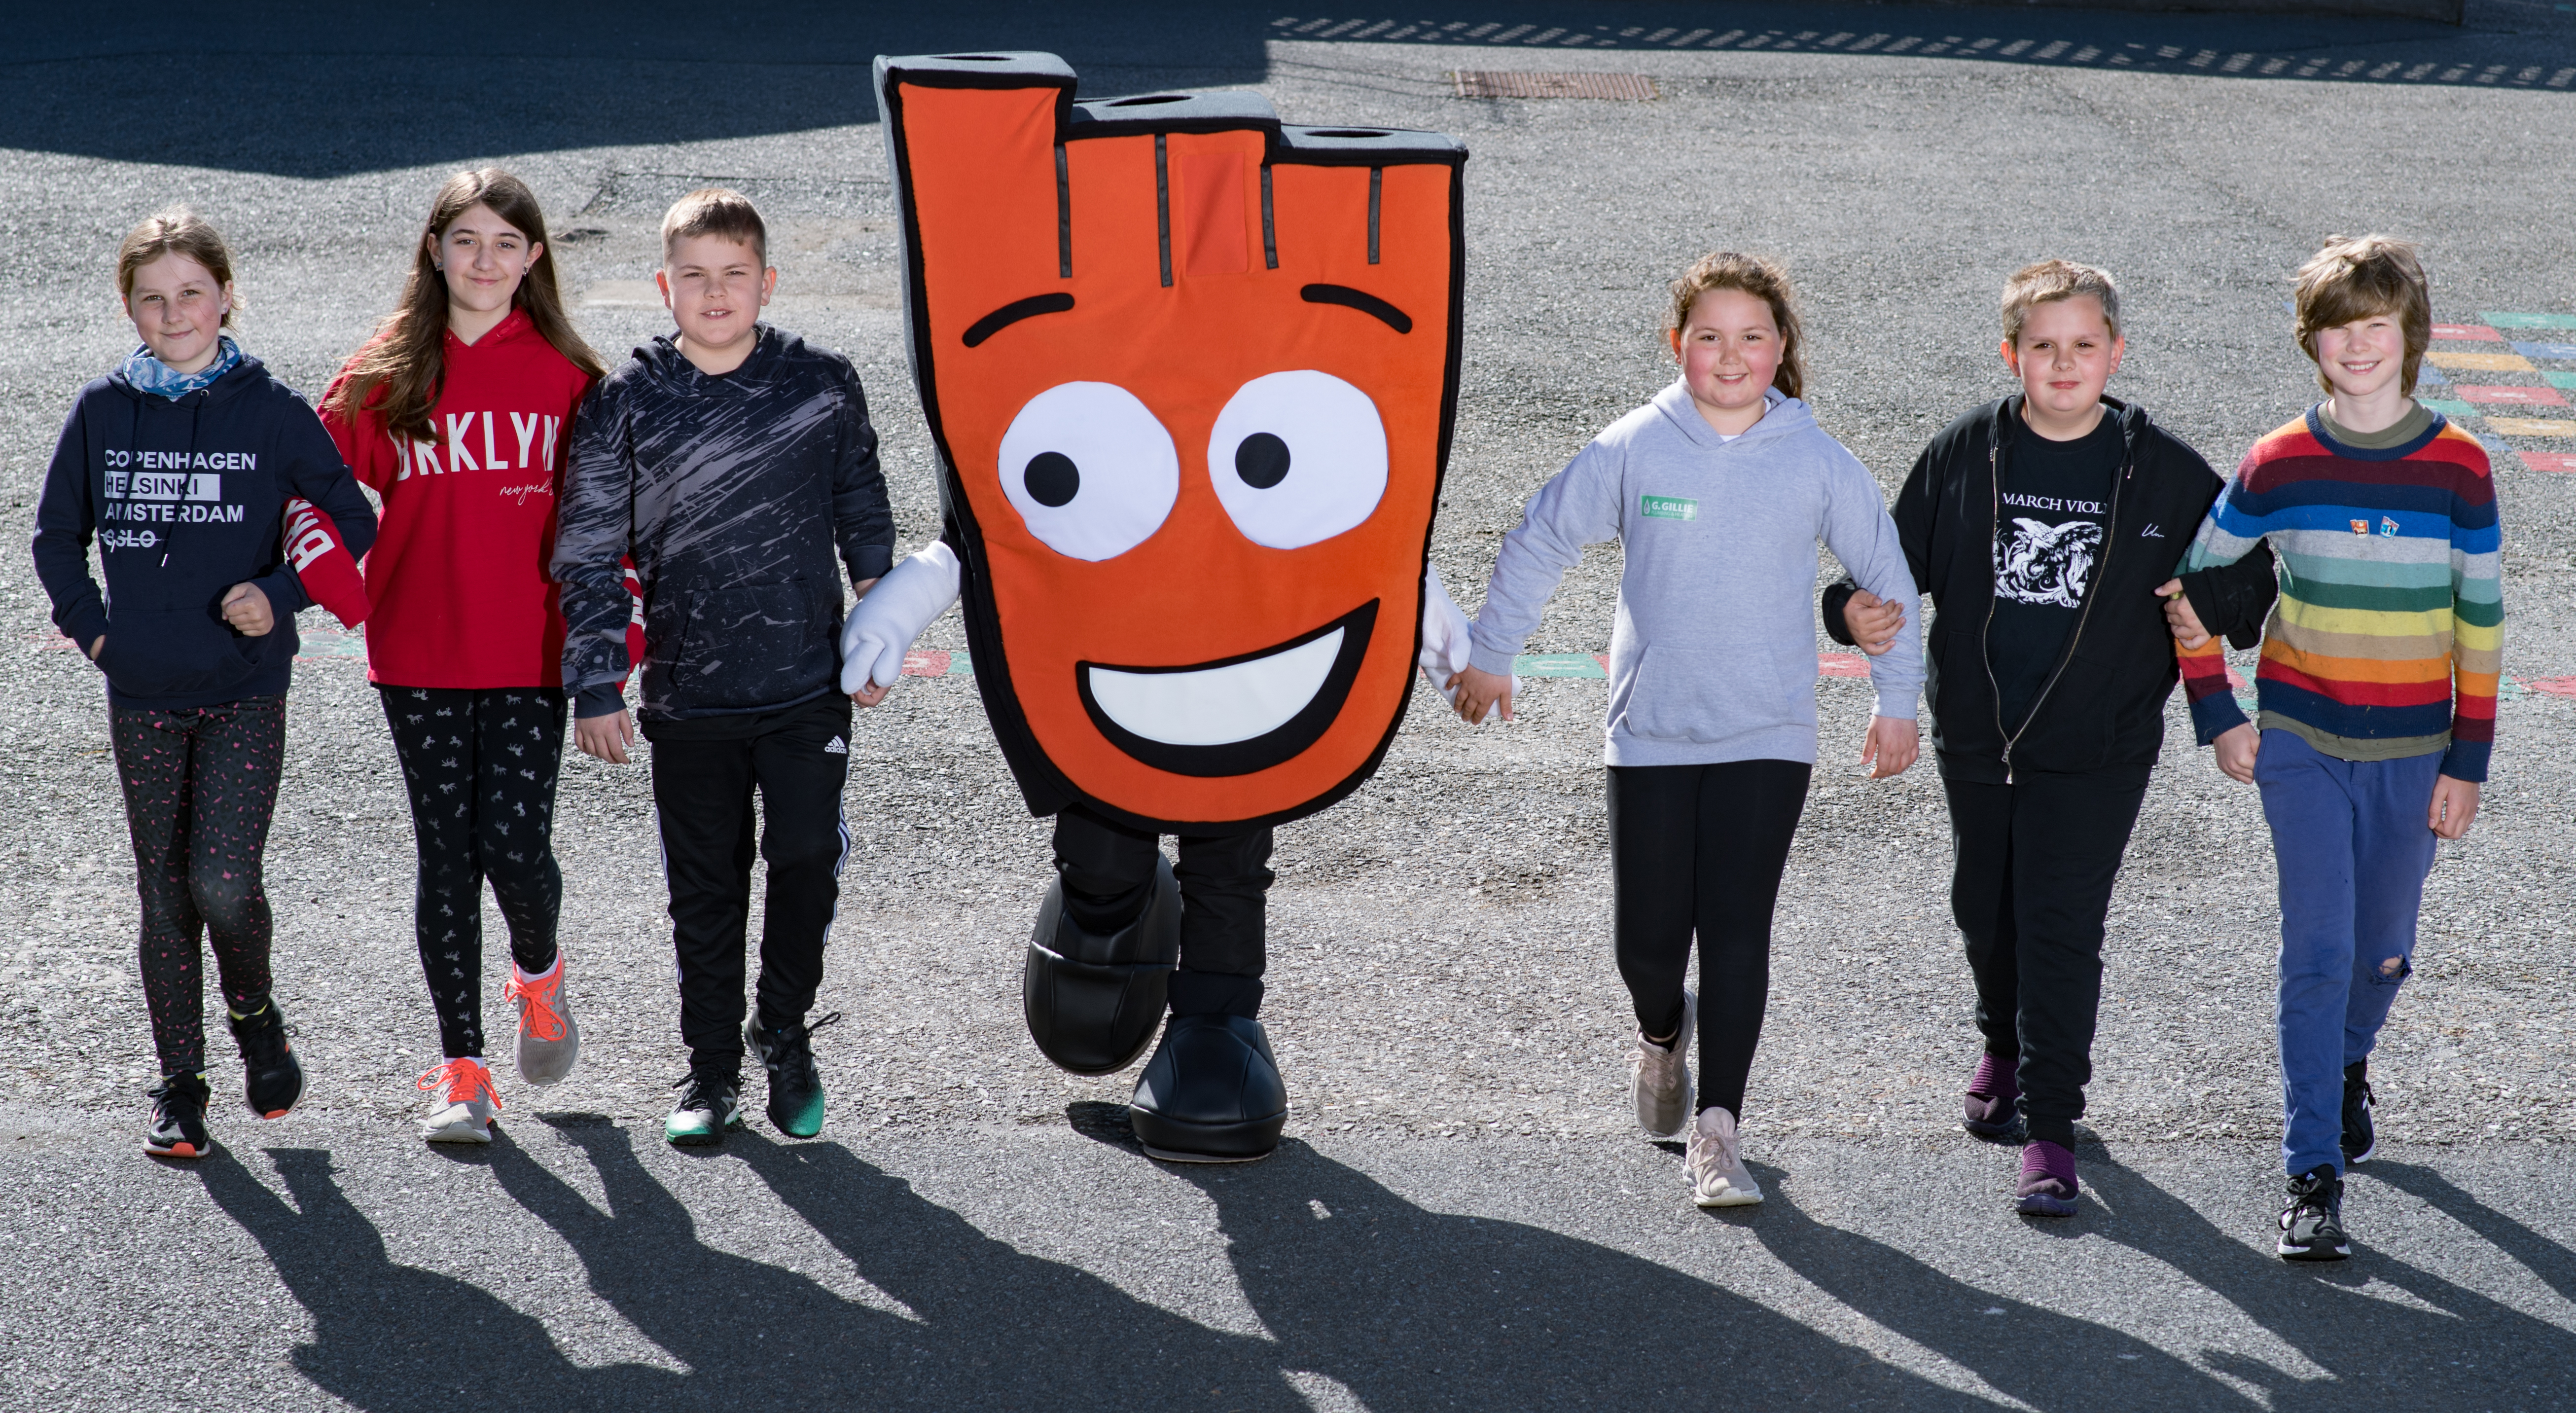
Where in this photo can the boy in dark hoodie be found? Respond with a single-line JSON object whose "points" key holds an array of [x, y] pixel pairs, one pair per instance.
{"points": [[730, 462], [181, 464], [2042, 526]]}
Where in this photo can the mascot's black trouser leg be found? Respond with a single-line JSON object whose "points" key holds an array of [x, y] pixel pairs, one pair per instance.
{"points": [[1108, 873], [1211, 1093]]}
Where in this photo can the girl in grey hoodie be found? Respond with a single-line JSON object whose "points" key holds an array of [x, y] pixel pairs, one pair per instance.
{"points": [[1718, 490]]}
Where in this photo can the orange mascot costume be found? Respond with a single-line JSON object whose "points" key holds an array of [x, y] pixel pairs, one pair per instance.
{"points": [[1191, 373]]}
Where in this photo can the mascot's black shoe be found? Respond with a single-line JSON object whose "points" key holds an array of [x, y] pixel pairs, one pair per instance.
{"points": [[1093, 1000], [1211, 1094]]}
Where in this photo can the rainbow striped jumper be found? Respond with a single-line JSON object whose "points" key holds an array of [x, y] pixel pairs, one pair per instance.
{"points": [[2389, 632]]}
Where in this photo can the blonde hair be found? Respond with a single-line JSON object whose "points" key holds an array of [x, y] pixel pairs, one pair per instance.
{"points": [[2357, 277], [716, 211], [2053, 280], [176, 231], [1763, 279]]}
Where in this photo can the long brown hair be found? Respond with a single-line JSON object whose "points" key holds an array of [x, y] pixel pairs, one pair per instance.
{"points": [[406, 359], [1765, 281]]}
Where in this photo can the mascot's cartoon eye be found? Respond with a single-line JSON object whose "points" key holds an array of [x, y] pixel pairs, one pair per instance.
{"points": [[1298, 457], [1090, 469]]}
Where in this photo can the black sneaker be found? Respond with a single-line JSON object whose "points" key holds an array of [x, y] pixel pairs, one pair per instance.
{"points": [[709, 1104], [178, 1118], [2360, 1137], [2312, 1218], [272, 1078], [795, 1087]]}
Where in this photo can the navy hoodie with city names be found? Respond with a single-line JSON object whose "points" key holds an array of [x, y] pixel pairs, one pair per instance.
{"points": [[186, 497]]}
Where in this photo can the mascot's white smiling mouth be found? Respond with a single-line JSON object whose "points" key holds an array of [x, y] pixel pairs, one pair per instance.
{"points": [[1236, 715]]}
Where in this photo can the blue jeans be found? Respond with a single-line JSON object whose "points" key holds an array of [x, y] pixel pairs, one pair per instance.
{"points": [[2354, 845]]}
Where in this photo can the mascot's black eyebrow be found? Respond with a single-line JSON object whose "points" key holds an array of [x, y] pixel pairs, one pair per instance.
{"points": [[1014, 312], [1360, 300], [1037, 304]]}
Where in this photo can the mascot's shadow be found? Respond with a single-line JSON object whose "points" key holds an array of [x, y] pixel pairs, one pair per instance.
{"points": [[1411, 1308]]}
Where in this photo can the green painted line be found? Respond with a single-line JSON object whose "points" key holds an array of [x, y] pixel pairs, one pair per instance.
{"points": [[961, 663], [2561, 380], [2528, 321], [1557, 665], [2453, 410]]}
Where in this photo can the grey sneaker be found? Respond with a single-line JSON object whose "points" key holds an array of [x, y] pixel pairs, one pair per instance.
{"points": [[1716, 1166], [461, 1102], [548, 1040], [1660, 1079]]}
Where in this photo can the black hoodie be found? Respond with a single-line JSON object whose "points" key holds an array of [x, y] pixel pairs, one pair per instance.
{"points": [[187, 498], [731, 494], [2102, 707]]}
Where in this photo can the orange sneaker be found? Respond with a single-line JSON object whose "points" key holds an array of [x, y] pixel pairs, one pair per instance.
{"points": [[548, 1040], [461, 1102]]}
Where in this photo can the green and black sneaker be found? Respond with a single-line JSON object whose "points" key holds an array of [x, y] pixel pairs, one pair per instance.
{"points": [[795, 1086], [709, 1104]]}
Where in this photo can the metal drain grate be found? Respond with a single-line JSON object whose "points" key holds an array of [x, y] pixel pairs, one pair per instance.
{"points": [[1504, 83]]}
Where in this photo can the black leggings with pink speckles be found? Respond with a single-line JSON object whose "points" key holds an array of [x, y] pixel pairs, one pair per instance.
{"points": [[200, 785]]}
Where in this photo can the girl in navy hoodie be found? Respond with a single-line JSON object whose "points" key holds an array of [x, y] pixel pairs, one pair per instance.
{"points": [[180, 464]]}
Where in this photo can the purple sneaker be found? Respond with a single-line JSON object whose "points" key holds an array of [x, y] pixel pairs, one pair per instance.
{"points": [[2047, 1181], [1991, 1092]]}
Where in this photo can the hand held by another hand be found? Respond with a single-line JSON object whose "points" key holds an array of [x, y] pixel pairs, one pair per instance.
{"points": [[1479, 692]]}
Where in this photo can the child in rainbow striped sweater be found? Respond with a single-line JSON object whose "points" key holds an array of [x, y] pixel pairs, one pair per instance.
{"points": [[2377, 689]]}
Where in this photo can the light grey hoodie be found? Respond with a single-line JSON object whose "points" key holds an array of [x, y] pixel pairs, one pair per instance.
{"points": [[1714, 657]]}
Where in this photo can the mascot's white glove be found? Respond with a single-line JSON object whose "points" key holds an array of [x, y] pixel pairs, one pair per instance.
{"points": [[881, 629], [1446, 638]]}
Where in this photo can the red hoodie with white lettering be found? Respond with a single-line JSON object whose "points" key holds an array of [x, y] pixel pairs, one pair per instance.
{"points": [[457, 580]]}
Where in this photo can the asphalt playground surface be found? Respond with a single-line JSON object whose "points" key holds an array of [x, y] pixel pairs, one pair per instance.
{"points": [[1462, 1215]]}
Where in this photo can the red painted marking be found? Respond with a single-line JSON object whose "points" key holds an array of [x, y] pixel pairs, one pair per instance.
{"points": [[1603, 659], [2234, 682], [2526, 397], [2478, 332], [1841, 665], [2549, 461], [925, 662], [2555, 686]]}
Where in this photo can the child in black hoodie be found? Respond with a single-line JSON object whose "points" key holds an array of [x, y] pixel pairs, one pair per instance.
{"points": [[2043, 527], [734, 464], [180, 464]]}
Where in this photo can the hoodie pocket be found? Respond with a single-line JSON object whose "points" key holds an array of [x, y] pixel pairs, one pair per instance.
{"points": [[175, 652], [752, 645], [1683, 694]]}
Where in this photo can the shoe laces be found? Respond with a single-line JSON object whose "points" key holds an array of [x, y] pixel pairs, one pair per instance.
{"points": [[791, 1053], [1711, 1151], [698, 1090], [540, 1001], [2308, 1196], [460, 1081], [263, 1038]]}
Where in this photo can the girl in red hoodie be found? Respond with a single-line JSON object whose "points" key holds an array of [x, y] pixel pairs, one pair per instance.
{"points": [[456, 413]]}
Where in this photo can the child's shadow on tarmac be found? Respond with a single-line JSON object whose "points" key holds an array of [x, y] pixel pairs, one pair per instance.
{"points": [[1405, 1307]]}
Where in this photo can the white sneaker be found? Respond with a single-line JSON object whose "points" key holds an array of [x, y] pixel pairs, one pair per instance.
{"points": [[461, 1102], [1715, 1168], [1659, 1079]]}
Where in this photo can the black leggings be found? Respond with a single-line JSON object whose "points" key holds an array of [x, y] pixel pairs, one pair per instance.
{"points": [[1700, 848], [200, 785], [480, 765]]}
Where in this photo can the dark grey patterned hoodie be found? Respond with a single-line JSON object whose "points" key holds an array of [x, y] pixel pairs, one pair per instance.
{"points": [[730, 495]]}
